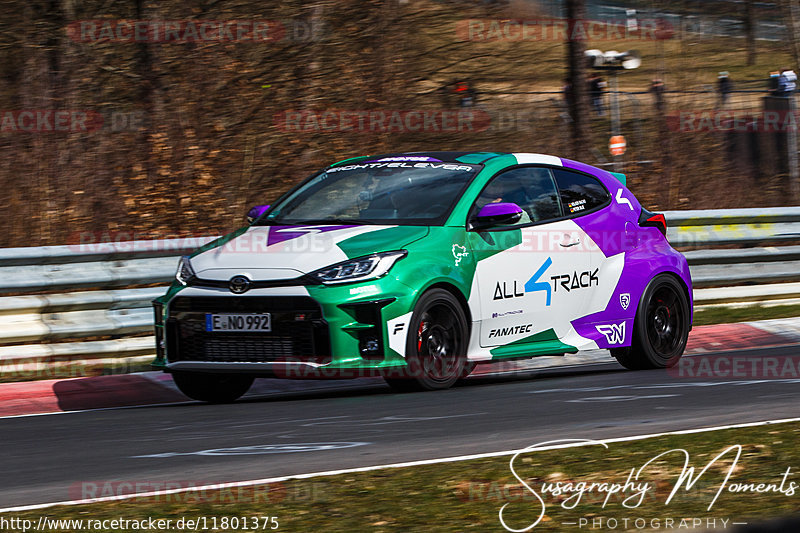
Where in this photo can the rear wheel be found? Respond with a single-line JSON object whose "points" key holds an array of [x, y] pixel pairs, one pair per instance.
{"points": [[436, 345], [212, 388], [660, 329]]}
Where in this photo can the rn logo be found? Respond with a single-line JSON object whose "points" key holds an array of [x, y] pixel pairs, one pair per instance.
{"points": [[614, 333]]}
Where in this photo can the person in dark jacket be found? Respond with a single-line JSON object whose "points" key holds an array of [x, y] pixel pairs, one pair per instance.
{"points": [[597, 86], [725, 87], [774, 83], [466, 93]]}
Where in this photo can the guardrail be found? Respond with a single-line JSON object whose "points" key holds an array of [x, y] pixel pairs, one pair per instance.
{"points": [[111, 323]]}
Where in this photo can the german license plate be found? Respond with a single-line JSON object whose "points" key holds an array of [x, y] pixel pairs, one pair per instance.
{"points": [[257, 322]]}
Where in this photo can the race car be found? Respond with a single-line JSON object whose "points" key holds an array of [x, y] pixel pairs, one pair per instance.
{"points": [[418, 266]]}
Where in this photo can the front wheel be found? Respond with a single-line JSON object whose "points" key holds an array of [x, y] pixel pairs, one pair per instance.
{"points": [[436, 344], [660, 329], [212, 388]]}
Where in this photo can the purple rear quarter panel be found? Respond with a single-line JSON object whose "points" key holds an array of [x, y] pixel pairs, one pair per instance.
{"points": [[615, 229]]}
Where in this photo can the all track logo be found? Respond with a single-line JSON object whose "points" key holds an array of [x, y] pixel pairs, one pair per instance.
{"points": [[568, 282], [578, 280], [504, 291], [534, 285]]}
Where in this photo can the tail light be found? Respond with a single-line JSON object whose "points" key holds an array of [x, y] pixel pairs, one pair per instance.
{"points": [[654, 220]]}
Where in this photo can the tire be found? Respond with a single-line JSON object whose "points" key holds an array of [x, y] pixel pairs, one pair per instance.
{"points": [[660, 328], [212, 388], [436, 346]]}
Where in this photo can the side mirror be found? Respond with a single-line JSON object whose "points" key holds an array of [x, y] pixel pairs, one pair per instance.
{"points": [[500, 214], [256, 212]]}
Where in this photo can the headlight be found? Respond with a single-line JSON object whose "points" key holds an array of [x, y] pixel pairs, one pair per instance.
{"points": [[363, 268], [185, 271]]}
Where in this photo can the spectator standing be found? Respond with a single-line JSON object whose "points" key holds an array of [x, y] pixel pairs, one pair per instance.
{"points": [[566, 90], [773, 84], [657, 87], [466, 93], [725, 87], [597, 86]]}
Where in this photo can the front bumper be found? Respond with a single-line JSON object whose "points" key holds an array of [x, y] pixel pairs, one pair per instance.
{"points": [[331, 332], [299, 332]]}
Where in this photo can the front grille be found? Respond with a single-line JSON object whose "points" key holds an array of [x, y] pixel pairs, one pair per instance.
{"points": [[244, 304], [299, 333]]}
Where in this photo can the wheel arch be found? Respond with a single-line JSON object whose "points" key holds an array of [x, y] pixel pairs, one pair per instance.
{"points": [[677, 277], [456, 292]]}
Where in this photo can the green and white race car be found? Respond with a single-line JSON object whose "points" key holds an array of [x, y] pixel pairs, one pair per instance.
{"points": [[418, 266]]}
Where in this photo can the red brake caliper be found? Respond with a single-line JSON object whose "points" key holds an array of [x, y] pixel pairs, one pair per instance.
{"points": [[665, 307], [419, 335]]}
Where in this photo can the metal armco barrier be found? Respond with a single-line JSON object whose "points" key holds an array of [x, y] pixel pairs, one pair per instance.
{"points": [[38, 324], [742, 227]]}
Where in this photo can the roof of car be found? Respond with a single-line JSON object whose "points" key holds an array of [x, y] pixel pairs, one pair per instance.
{"points": [[453, 157], [478, 158]]}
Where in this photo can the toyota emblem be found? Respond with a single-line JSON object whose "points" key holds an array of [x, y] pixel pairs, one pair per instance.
{"points": [[239, 284]]}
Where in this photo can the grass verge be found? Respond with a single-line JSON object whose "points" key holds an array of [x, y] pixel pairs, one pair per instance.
{"points": [[468, 495]]}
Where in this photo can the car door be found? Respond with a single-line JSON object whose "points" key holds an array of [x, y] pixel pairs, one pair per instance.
{"points": [[610, 223], [532, 276]]}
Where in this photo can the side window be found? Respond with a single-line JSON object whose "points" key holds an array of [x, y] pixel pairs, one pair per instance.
{"points": [[579, 192], [531, 188]]}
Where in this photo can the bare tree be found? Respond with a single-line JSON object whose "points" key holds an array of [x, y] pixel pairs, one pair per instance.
{"points": [[750, 31], [575, 11], [792, 11]]}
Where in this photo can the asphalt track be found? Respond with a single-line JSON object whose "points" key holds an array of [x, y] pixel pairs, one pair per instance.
{"points": [[46, 458]]}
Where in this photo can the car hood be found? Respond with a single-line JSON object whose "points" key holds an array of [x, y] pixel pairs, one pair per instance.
{"points": [[285, 252]]}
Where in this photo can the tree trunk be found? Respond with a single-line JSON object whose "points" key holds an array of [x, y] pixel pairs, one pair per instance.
{"points": [[666, 149], [791, 9], [750, 31], [579, 102]]}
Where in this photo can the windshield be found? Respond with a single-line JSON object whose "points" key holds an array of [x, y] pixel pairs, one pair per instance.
{"points": [[391, 191]]}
